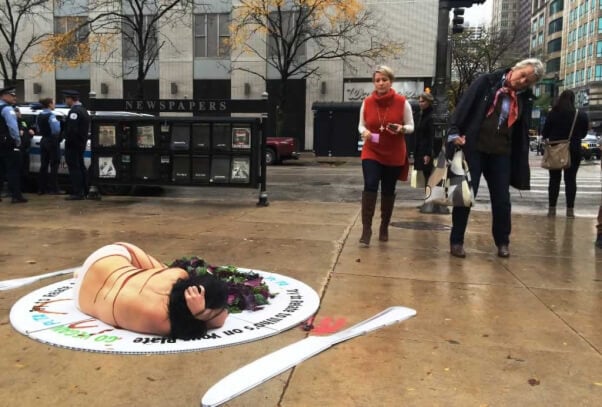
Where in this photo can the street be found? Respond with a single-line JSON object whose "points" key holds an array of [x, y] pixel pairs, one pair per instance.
{"points": [[521, 331], [340, 180]]}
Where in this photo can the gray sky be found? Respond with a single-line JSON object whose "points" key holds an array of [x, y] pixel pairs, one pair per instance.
{"points": [[479, 14]]}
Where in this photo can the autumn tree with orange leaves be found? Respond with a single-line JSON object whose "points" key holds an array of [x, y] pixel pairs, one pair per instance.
{"points": [[137, 22], [292, 36]]}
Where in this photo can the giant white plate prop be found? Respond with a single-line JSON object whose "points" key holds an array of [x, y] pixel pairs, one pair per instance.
{"points": [[49, 315]]}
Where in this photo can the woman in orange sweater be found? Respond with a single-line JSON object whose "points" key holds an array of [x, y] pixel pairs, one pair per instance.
{"points": [[385, 118]]}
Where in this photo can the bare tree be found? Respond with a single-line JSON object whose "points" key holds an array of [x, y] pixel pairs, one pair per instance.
{"points": [[474, 53], [292, 36], [14, 16], [139, 22]]}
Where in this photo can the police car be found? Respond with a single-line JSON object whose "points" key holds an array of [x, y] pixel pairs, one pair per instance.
{"points": [[29, 114]]}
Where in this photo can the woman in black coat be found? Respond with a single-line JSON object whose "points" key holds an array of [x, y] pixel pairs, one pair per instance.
{"points": [[558, 127], [425, 134], [423, 149], [491, 125]]}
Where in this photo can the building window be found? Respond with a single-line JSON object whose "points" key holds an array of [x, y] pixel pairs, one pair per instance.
{"points": [[554, 45], [553, 65], [288, 21], [63, 25], [211, 35], [556, 6], [132, 48], [555, 26], [598, 75]]}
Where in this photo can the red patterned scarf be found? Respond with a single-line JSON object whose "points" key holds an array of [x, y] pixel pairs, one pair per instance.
{"points": [[513, 110]]}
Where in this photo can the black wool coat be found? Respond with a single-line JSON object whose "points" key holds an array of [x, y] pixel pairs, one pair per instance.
{"points": [[424, 135], [472, 110]]}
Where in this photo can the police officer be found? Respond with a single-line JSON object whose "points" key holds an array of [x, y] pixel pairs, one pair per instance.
{"points": [[50, 129], [10, 140], [77, 126], [26, 132]]}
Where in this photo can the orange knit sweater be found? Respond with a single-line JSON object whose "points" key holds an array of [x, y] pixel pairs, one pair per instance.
{"points": [[381, 110]]}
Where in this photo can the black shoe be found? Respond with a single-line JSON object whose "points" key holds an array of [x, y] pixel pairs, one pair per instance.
{"points": [[75, 198], [56, 193], [503, 251], [18, 200], [457, 250]]}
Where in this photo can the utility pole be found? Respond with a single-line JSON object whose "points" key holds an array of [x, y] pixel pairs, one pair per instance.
{"points": [[443, 59]]}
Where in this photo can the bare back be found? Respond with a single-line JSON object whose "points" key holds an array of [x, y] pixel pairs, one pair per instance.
{"points": [[121, 294]]}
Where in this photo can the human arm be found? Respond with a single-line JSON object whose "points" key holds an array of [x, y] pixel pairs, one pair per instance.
{"points": [[429, 138], [584, 124], [195, 300], [364, 132], [55, 125], [471, 109], [11, 122], [408, 120]]}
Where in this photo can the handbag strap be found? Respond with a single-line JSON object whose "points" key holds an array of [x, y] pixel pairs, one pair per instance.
{"points": [[573, 125]]}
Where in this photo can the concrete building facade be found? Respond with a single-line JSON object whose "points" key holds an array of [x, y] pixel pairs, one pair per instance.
{"points": [[196, 63], [513, 17], [567, 36]]}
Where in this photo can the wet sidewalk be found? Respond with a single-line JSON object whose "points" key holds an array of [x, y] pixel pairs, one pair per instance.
{"points": [[523, 331]]}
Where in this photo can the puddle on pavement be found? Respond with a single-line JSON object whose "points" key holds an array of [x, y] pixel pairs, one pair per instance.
{"points": [[420, 225]]}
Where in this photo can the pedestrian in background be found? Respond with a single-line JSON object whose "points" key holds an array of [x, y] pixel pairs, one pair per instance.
{"points": [[424, 146], [385, 118], [10, 141], [77, 126], [558, 127], [26, 132], [50, 152], [491, 125]]}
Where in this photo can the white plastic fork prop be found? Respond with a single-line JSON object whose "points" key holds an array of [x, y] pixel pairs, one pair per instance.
{"points": [[268, 366], [20, 282]]}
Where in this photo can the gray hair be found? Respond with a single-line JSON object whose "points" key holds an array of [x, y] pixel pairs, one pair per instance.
{"points": [[538, 69], [384, 70], [427, 96]]}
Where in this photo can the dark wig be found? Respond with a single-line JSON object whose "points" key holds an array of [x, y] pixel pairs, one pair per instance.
{"points": [[183, 324]]}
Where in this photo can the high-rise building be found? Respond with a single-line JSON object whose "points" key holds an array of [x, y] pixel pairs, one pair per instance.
{"points": [[512, 18], [567, 36]]}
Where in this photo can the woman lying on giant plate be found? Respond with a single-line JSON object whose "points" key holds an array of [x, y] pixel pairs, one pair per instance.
{"points": [[125, 287]]}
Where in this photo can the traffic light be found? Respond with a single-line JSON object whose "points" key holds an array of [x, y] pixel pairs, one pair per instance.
{"points": [[457, 21]]}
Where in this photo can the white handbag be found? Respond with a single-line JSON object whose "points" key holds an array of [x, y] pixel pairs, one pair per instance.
{"points": [[449, 184]]}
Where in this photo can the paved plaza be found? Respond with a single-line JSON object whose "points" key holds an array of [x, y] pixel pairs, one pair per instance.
{"points": [[523, 331]]}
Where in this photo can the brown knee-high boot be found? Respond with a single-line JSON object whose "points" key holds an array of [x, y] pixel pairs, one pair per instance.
{"points": [[368, 205], [386, 210]]}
